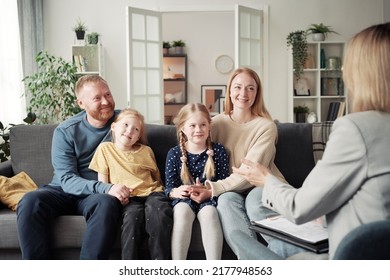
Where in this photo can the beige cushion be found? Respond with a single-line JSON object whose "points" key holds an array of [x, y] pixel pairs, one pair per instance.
{"points": [[13, 189]]}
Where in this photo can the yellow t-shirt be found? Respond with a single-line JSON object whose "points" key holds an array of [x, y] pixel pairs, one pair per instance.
{"points": [[136, 169]]}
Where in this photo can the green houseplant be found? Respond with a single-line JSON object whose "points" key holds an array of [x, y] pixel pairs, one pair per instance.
{"points": [[80, 28], [300, 113], [93, 38], [4, 143], [179, 46], [320, 31], [298, 42], [5, 151], [166, 47], [50, 90]]}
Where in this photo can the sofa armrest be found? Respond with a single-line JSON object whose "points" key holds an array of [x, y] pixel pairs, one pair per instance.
{"points": [[6, 169]]}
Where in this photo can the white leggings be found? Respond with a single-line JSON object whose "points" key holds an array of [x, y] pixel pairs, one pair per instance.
{"points": [[212, 236]]}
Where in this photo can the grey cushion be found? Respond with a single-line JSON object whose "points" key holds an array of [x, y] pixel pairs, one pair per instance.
{"points": [[8, 236], [31, 151]]}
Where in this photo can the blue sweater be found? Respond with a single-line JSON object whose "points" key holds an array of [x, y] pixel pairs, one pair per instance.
{"points": [[73, 146]]}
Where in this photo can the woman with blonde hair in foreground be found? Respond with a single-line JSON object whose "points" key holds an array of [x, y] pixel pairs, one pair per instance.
{"points": [[350, 185]]}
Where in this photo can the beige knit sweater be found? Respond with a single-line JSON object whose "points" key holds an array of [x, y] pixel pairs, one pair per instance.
{"points": [[254, 140]]}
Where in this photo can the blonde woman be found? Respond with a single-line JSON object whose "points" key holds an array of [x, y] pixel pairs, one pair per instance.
{"points": [[350, 185], [194, 160]]}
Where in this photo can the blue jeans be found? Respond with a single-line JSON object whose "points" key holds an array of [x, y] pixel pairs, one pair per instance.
{"points": [[37, 209], [236, 211]]}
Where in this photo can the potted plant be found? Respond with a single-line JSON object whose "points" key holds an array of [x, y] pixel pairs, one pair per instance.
{"points": [[300, 113], [50, 90], [179, 46], [4, 143], [298, 42], [80, 28], [166, 47], [5, 151], [320, 31], [93, 38]]}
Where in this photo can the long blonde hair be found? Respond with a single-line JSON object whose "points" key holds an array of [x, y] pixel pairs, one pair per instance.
{"points": [[258, 108], [183, 115], [133, 113], [366, 69]]}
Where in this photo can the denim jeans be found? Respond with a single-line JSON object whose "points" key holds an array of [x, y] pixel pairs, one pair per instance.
{"points": [[102, 213], [236, 211], [147, 220]]}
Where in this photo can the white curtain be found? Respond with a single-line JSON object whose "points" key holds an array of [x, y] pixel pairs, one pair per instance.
{"points": [[12, 101]]}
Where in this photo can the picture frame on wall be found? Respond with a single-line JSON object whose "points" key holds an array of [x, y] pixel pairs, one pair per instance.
{"points": [[221, 104], [210, 97]]}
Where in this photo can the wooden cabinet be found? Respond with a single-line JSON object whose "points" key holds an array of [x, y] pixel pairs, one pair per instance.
{"points": [[320, 87], [175, 84], [88, 59]]}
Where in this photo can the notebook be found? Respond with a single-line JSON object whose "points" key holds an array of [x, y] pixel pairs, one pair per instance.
{"points": [[312, 235]]}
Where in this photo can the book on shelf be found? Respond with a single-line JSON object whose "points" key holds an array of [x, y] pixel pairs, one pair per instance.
{"points": [[82, 63], [341, 111], [312, 236], [336, 109], [76, 60], [332, 111]]}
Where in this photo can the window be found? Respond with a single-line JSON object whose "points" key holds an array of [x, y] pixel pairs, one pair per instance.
{"points": [[12, 104]]}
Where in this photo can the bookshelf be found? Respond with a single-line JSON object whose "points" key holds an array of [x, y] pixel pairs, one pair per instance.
{"points": [[175, 84], [321, 85], [88, 59]]}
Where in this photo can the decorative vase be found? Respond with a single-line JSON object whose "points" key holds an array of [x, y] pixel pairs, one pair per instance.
{"points": [[80, 35], [322, 59], [318, 37], [300, 117], [179, 50]]}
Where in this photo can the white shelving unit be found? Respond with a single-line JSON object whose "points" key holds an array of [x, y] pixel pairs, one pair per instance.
{"points": [[322, 74], [92, 58]]}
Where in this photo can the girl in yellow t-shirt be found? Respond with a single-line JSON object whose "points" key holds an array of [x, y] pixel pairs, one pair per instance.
{"points": [[129, 161]]}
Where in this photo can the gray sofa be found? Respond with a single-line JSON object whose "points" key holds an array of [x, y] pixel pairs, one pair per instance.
{"points": [[30, 152]]}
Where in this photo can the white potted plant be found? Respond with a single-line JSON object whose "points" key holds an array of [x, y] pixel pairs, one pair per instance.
{"points": [[179, 46], [320, 31]]}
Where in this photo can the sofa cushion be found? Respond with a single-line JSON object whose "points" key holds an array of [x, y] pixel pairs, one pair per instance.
{"points": [[13, 189], [9, 235], [31, 151], [161, 138]]}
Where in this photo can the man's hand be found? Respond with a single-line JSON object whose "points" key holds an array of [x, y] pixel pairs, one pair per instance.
{"points": [[121, 192], [254, 173]]}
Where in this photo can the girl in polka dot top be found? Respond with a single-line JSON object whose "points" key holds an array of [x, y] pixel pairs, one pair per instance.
{"points": [[194, 160]]}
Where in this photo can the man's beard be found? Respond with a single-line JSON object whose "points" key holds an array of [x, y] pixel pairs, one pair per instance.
{"points": [[103, 116]]}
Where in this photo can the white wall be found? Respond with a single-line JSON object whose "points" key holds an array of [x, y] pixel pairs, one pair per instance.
{"points": [[109, 19]]}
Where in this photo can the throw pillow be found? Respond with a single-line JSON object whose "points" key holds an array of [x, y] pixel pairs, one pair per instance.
{"points": [[13, 189]]}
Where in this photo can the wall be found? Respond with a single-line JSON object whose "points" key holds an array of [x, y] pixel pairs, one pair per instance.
{"points": [[109, 19]]}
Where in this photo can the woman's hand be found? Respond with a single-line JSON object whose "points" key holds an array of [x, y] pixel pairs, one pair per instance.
{"points": [[254, 173], [199, 193]]}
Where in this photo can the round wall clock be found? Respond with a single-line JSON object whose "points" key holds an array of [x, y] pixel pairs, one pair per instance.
{"points": [[224, 64]]}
